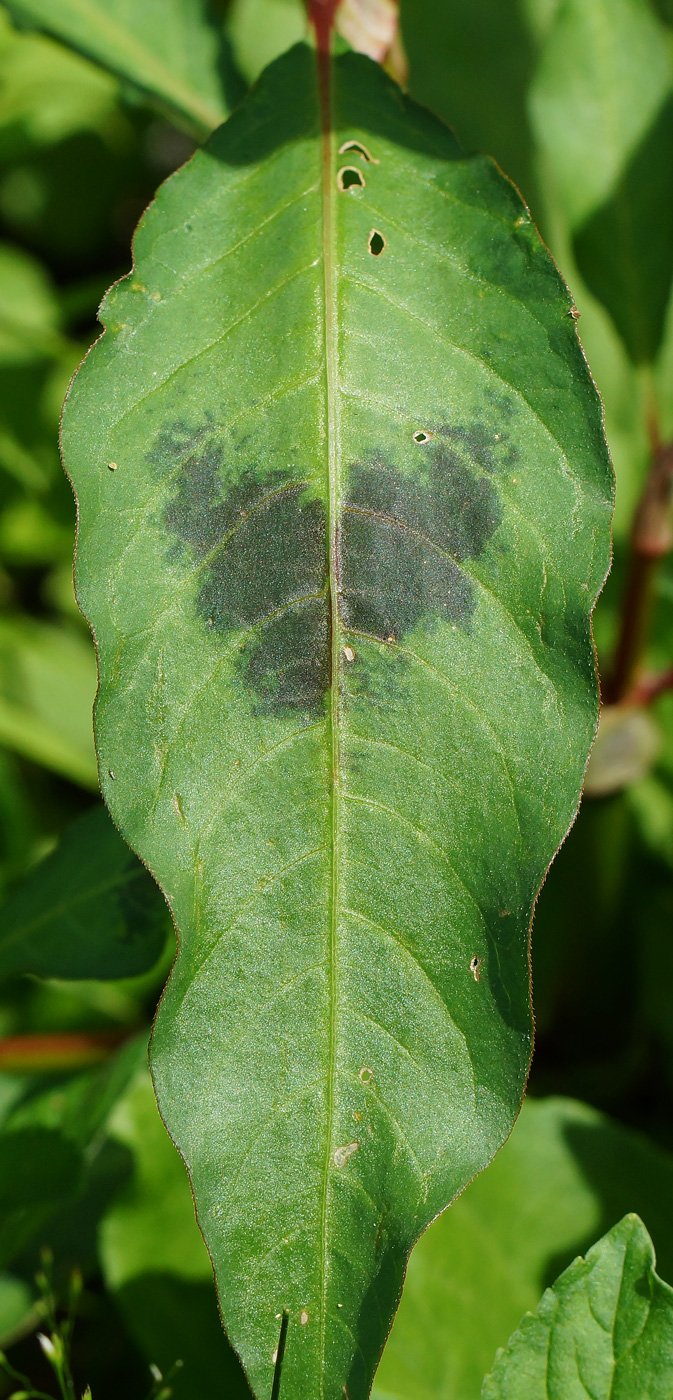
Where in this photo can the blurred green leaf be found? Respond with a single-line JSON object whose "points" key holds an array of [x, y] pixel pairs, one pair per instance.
{"points": [[47, 1139], [471, 62], [47, 688], [172, 50], [564, 1174], [260, 30], [155, 1261], [601, 107], [47, 93], [89, 910], [604, 1329]]}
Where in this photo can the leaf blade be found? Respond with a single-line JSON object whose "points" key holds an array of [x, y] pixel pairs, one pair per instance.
{"points": [[431, 1053], [606, 1326]]}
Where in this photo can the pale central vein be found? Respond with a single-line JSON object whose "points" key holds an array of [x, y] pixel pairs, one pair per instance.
{"points": [[331, 372]]}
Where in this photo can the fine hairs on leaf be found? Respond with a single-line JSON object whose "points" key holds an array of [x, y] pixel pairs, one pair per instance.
{"points": [[347, 685]]}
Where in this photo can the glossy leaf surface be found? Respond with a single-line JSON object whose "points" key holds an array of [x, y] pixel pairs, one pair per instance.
{"points": [[173, 50], [604, 1329], [564, 1174], [89, 910], [602, 108], [340, 572]]}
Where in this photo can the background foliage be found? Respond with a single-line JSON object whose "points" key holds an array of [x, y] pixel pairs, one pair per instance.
{"points": [[573, 98]]}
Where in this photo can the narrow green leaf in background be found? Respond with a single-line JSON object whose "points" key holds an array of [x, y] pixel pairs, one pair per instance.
{"points": [[602, 108], [175, 51], [562, 1177], [605, 1329], [89, 910], [344, 503]]}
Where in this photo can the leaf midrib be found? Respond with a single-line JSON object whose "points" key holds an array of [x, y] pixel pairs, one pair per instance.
{"points": [[331, 372]]}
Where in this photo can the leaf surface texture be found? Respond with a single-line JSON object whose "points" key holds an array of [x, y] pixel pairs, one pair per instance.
{"points": [[340, 575]]}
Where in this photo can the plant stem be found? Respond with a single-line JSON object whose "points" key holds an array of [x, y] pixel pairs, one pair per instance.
{"points": [[651, 539]]}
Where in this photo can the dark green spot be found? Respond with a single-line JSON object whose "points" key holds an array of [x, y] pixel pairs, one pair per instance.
{"points": [[404, 536]]}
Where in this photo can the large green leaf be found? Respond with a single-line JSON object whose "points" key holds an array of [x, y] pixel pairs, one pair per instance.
{"points": [[339, 429], [88, 910], [564, 1175], [173, 50], [605, 1329], [603, 112]]}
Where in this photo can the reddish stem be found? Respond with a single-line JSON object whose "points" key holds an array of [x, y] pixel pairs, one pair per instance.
{"points": [[647, 690], [321, 14], [52, 1052], [651, 539]]}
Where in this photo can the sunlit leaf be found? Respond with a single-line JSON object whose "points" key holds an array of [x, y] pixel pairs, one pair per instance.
{"points": [[173, 50], [604, 1329], [47, 687], [343, 515]]}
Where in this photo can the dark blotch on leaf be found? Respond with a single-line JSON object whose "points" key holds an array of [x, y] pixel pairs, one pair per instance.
{"points": [[403, 537], [261, 546], [259, 543]]}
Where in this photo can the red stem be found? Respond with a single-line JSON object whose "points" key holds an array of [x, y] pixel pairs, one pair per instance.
{"points": [[57, 1051], [651, 539], [321, 14]]}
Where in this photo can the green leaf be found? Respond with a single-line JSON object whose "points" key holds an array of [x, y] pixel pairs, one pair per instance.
{"points": [[173, 50], [156, 1263], [604, 1329], [396, 443], [603, 111], [88, 910], [47, 688], [564, 1174]]}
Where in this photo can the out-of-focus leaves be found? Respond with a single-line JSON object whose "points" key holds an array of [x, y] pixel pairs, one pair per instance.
{"points": [[601, 108], [260, 30], [626, 745], [48, 93], [471, 61], [16, 1302], [45, 1140], [47, 688], [564, 1174], [89, 910], [604, 1329], [172, 50], [155, 1260]]}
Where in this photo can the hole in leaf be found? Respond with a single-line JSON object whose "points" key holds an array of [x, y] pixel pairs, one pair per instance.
{"points": [[377, 243], [359, 149], [349, 176], [421, 436]]}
